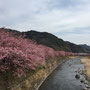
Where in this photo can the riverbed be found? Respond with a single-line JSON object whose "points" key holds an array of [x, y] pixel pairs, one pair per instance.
{"points": [[64, 77]]}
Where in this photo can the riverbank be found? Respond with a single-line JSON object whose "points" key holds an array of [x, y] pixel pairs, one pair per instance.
{"points": [[33, 79], [86, 62], [67, 76]]}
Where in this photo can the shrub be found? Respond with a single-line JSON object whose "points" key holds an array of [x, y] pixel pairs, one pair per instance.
{"points": [[18, 54]]}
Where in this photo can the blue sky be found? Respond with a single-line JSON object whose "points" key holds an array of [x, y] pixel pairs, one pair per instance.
{"points": [[67, 19]]}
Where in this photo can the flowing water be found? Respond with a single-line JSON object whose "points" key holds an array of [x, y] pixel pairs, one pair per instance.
{"points": [[63, 78]]}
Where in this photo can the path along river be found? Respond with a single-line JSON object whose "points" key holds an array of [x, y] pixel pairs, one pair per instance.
{"points": [[63, 78]]}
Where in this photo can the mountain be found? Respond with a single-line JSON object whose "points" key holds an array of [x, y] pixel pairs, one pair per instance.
{"points": [[50, 40], [86, 47], [47, 39], [76, 48]]}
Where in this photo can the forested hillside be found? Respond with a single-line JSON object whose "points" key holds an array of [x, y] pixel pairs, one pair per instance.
{"points": [[51, 40]]}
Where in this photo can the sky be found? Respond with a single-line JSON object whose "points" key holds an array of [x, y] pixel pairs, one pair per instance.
{"points": [[67, 19]]}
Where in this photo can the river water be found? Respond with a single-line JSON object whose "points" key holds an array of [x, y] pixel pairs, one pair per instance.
{"points": [[63, 78]]}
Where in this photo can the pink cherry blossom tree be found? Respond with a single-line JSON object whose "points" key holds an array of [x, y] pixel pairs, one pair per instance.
{"points": [[19, 55]]}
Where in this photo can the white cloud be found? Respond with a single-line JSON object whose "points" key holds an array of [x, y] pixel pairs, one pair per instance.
{"points": [[76, 38], [48, 15]]}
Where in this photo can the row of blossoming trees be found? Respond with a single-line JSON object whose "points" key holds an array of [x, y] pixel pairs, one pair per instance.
{"points": [[19, 55]]}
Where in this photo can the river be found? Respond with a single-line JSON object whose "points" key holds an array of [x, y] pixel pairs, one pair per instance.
{"points": [[63, 78]]}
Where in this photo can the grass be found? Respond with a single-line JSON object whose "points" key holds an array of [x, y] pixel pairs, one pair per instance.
{"points": [[86, 62], [34, 76]]}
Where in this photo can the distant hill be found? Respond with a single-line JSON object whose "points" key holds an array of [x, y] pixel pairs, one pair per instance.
{"points": [[76, 48], [51, 40], [47, 39], [86, 47]]}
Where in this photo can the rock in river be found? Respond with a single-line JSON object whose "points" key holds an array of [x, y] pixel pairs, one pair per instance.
{"points": [[77, 76], [82, 81]]}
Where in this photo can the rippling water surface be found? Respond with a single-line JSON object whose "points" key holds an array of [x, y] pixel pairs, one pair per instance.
{"points": [[63, 78]]}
